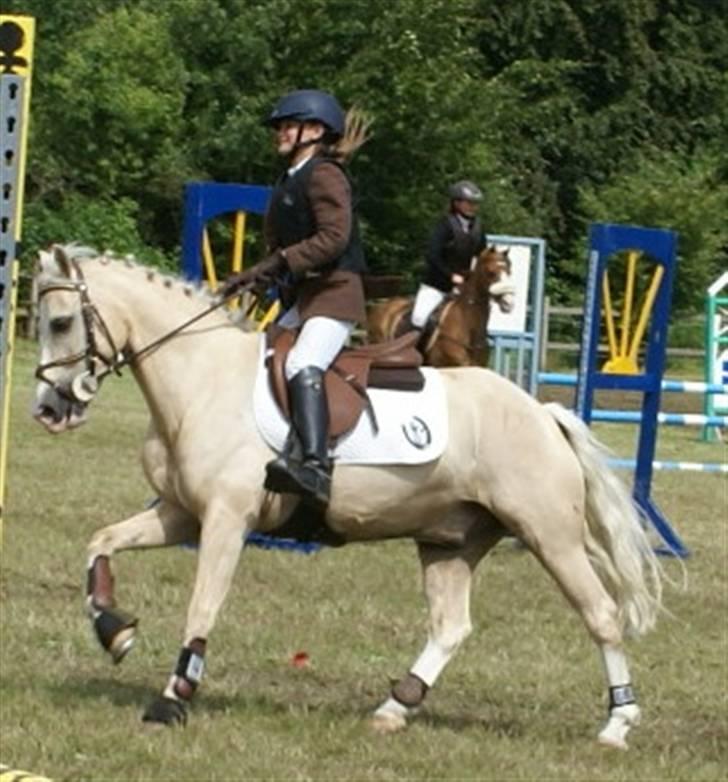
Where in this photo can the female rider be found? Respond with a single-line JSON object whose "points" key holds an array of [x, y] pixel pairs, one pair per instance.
{"points": [[316, 255]]}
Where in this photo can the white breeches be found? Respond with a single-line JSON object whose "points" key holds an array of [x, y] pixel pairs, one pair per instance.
{"points": [[320, 341], [427, 299]]}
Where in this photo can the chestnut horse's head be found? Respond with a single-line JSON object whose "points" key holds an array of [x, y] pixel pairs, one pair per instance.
{"points": [[491, 275]]}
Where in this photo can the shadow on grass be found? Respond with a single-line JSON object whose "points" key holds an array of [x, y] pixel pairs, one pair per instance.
{"points": [[135, 694], [102, 689], [495, 726], [129, 694]]}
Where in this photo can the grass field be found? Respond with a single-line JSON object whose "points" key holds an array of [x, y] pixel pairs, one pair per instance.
{"points": [[523, 700]]}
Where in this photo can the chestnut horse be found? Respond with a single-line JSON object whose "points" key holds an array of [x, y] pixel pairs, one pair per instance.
{"points": [[509, 464], [460, 336]]}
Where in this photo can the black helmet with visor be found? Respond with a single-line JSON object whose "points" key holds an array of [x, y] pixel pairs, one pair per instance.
{"points": [[310, 106], [465, 190]]}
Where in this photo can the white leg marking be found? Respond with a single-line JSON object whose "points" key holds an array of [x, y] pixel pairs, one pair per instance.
{"points": [[621, 718], [432, 661]]}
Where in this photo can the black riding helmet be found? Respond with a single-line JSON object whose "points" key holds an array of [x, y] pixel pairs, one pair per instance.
{"points": [[310, 106], [465, 190]]}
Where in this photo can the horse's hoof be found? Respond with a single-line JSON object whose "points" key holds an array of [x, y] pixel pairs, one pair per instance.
{"points": [[115, 631], [621, 720], [122, 643], [613, 742], [385, 723], [166, 711]]}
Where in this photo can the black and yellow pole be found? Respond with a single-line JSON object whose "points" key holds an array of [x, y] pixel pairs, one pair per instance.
{"points": [[16, 62], [8, 774]]}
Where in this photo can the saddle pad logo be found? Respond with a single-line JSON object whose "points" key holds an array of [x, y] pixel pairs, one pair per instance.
{"points": [[417, 432]]}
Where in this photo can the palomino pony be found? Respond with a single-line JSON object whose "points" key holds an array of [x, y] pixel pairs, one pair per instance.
{"points": [[460, 338], [509, 464]]}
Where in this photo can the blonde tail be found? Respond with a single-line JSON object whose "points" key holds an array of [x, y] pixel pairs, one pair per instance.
{"points": [[616, 542]]}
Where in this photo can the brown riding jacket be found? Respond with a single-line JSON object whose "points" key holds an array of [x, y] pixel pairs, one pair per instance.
{"points": [[327, 261]]}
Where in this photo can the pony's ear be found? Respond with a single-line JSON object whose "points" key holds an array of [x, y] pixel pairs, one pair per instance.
{"points": [[44, 264], [62, 260]]}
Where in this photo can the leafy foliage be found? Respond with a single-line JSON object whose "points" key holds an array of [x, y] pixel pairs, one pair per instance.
{"points": [[688, 196], [102, 224], [545, 103]]}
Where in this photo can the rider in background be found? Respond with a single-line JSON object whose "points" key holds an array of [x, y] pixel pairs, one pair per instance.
{"points": [[316, 257], [456, 240]]}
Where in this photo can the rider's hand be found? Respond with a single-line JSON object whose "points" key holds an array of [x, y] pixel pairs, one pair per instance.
{"points": [[457, 279], [264, 271]]}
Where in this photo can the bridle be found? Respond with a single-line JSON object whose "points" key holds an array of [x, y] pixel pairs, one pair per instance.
{"points": [[84, 386], [476, 299]]}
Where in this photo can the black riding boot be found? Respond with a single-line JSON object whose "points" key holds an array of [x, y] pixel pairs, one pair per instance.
{"points": [[309, 475]]}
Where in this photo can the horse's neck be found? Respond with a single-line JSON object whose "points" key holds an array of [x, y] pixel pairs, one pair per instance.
{"points": [[475, 290], [474, 301], [211, 359]]}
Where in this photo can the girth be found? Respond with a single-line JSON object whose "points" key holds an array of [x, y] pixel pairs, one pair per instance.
{"points": [[394, 365]]}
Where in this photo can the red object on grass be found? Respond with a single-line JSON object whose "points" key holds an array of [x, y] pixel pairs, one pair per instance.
{"points": [[300, 660]]}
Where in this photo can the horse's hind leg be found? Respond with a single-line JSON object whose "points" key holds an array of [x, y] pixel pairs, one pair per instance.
{"points": [[447, 575], [161, 525], [576, 577]]}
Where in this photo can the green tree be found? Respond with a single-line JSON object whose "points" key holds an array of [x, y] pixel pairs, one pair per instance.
{"points": [[540, 101], [590, 87], [670, 191]]}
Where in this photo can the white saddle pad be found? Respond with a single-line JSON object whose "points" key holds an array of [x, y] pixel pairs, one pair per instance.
{"points": [[413, 425]]}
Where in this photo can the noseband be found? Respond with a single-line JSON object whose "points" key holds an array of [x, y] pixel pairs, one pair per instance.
{"points": [[83, 387]]}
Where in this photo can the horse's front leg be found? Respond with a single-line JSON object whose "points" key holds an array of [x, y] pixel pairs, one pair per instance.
{"points": [[162, 525], [447, 579], [221, 542]]}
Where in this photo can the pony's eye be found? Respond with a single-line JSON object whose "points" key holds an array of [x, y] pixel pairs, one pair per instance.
{"points": [[61, 324]]}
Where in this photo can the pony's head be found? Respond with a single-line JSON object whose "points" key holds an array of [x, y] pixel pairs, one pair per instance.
{"points": [[68, 335], [492, 271]]}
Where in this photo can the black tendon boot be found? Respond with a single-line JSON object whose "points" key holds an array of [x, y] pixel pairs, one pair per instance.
{"points": [[309, 476]]}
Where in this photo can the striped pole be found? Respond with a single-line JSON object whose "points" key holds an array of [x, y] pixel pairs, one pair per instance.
{"points": [[670, 419], [17, 49], [712, 467], [675, 419], [679, 386], [716, 348]]}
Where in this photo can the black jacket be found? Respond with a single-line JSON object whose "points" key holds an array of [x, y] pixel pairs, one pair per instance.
{"points": [[451, 250]]}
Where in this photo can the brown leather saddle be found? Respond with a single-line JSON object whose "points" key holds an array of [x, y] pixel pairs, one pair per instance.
{"points": [[394, 365]]}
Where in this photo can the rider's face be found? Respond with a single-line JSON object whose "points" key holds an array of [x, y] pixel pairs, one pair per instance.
{"points": [[466, 208], [286, 136]]}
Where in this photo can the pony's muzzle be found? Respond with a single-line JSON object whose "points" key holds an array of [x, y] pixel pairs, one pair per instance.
{"points": [[57, 412], [503, 293]]}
